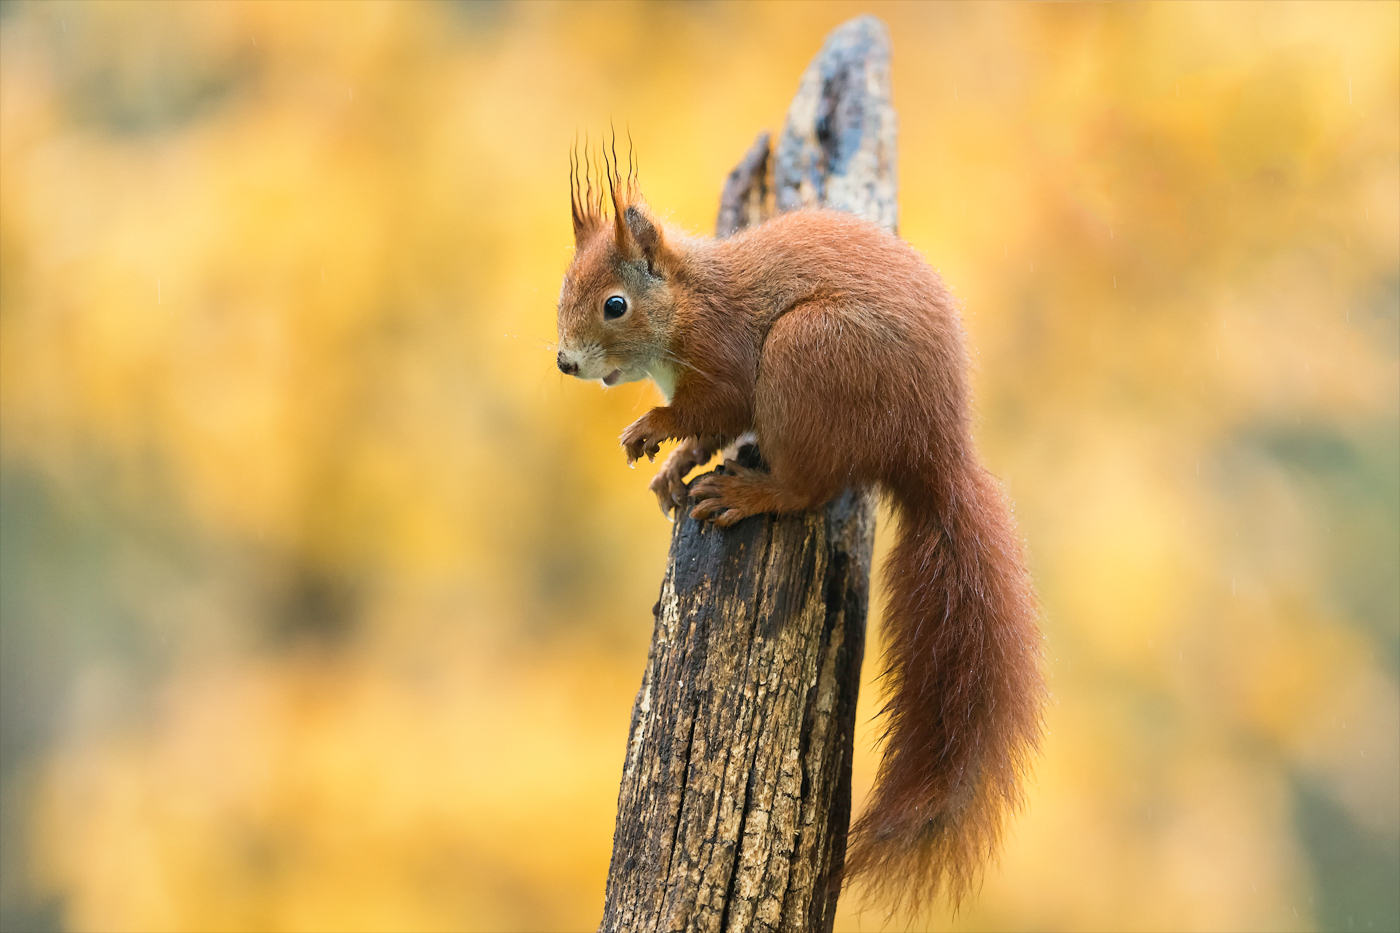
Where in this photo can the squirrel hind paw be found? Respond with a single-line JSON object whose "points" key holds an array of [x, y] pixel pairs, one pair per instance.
{"points": [[720, 499]]}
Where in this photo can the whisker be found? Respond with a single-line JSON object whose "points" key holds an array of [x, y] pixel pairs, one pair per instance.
{"points": [[672, 358]]}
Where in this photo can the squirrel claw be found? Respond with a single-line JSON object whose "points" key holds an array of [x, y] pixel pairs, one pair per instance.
{"points": [[717, 513], [664, 498], [638, 444], [646, 435], [669, 486]]}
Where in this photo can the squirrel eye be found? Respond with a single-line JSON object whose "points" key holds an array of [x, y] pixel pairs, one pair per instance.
{"points": [[615, 307]]}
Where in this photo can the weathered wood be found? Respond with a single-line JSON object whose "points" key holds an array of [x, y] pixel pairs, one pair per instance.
{"points": [[736, 788], [744, 200]]}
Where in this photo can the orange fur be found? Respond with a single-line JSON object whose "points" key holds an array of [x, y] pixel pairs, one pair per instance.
{"points": [[840, 349]]}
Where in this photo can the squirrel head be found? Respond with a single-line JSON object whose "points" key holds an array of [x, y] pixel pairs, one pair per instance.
{"points": [[616, 304]]}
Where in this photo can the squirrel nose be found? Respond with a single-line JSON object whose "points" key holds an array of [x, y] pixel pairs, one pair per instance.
{"points": [[566, 367]]}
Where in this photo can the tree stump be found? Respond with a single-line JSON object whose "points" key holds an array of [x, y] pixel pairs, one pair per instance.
{"points": [[736, 788]]}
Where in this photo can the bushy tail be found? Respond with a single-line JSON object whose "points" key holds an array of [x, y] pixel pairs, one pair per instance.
{"points": [[965, 695]]}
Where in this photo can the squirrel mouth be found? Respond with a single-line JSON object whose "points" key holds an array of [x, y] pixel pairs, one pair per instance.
{"points": [[612, 378]]}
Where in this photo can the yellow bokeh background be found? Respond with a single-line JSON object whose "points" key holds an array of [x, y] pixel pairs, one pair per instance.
{"points": [[324, 597]]}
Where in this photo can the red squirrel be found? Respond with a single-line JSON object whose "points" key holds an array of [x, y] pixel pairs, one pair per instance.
{"points": [[838, 348]]}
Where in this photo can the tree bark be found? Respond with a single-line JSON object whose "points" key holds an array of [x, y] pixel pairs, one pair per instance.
{"points": [[736, 788]]}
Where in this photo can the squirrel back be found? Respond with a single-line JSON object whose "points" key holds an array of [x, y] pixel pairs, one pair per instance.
{"points": [[839, 348]]}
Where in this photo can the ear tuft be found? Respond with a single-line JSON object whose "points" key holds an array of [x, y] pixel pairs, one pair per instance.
{"points": [[637, 236], [587, 207]]}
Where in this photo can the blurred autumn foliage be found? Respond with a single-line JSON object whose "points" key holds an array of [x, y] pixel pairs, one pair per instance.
{"points": [[324, 597]]}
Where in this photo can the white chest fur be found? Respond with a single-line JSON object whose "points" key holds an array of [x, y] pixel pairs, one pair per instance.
{"points": [[664, 375]]}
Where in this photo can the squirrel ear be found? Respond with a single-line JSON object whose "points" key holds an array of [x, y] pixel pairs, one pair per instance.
{"points": [[644, 236]]}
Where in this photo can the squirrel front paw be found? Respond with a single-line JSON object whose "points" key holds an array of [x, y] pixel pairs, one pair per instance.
{"points": [[644, 436], [669, 483]]}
